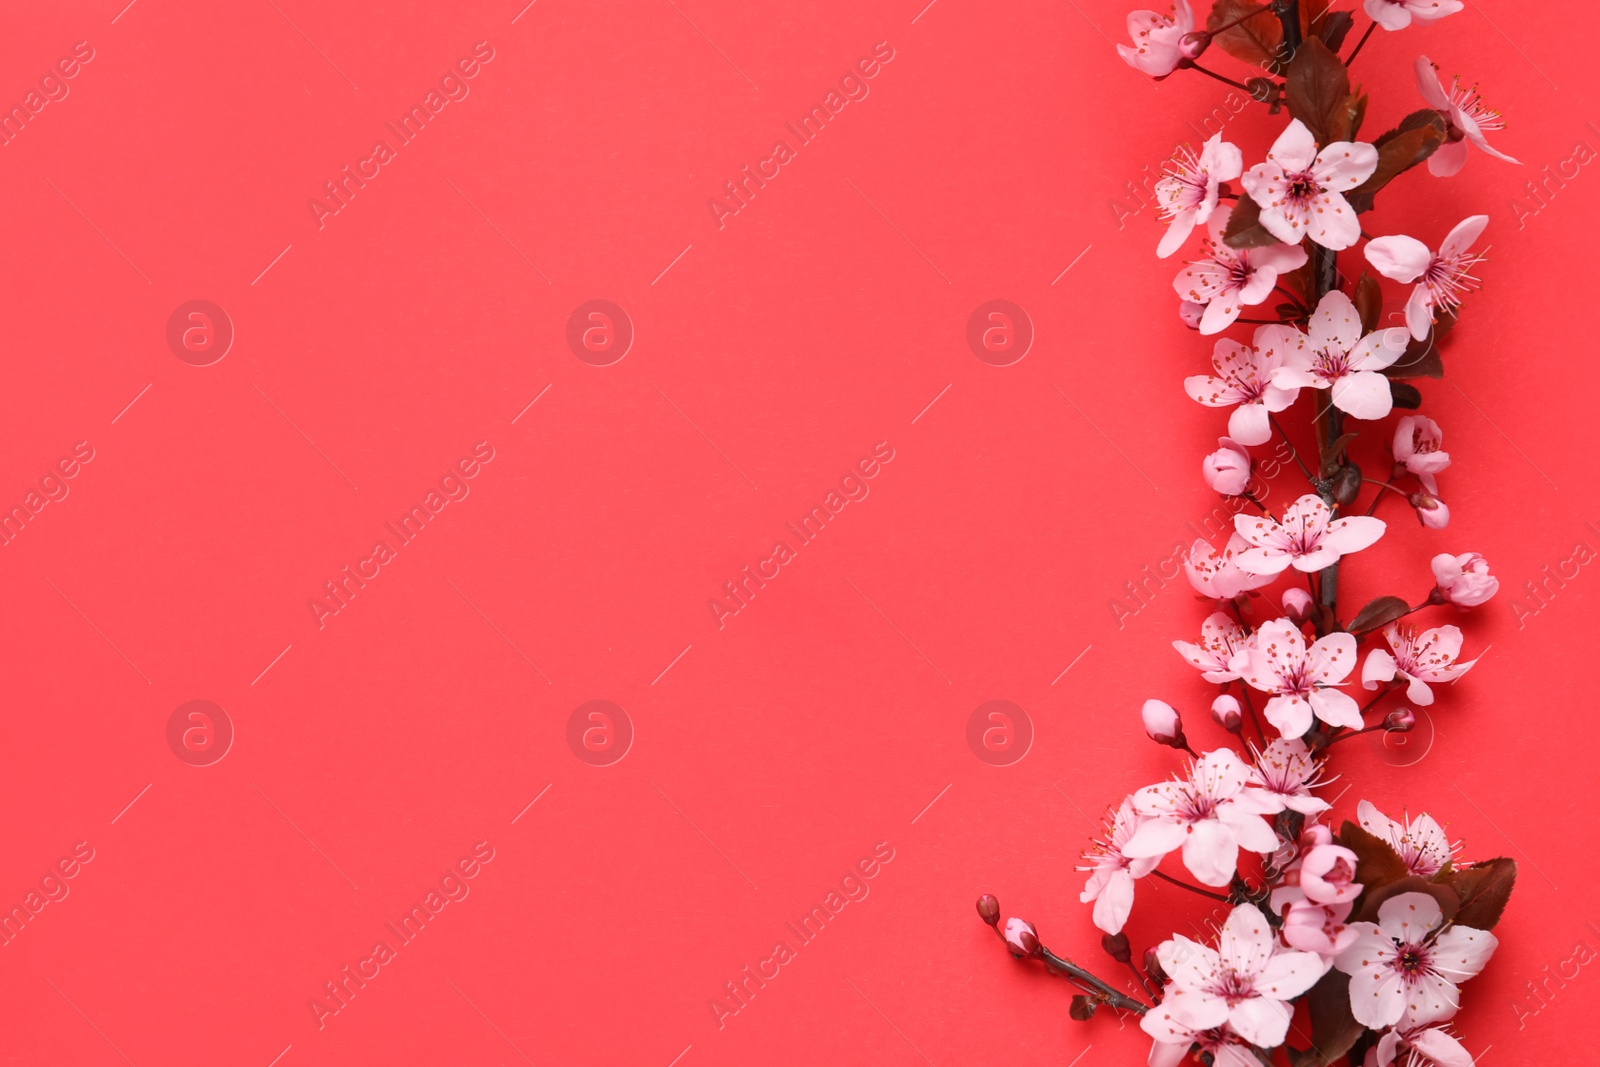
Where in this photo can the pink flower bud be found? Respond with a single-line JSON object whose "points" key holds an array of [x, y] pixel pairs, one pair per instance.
{"points": [[1191, 45], [1463, 580], [1431, 511], [1191, 313], [1327, 875], [1021, 937], [989, 909], [1162, 723], [1297, 604], [1116, 946], [1315, 836], [1400, 721], [1225, 709], [1227, 470]]}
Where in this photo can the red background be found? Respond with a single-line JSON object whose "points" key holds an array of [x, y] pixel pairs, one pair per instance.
{"points": [[993, 152]]}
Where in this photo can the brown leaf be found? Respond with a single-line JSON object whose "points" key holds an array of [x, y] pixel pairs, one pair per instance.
{"points": [[1316, 90], [1244, 226], [1332, 26], [1484, 889], [1255, 40], [1333, 1028], [1448, 902], [1405, 396], [1377, 864], [1379, 612], [1369, 302], [1402, 148]]}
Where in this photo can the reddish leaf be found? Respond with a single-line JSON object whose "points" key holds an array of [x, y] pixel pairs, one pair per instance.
{"points": [[1332, 26], [1377, 864], [1317, 89], [1448, 902], [1255, 40], [1379, 612], [1402, 148], [1484, 889], [1369, 302], [1244, 226], [1405, 396], [1333, 1028]]}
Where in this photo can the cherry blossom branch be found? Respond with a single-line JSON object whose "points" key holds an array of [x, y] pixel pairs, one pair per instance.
{"points": [[1293, 452], [1165, 877], [1357, 50]]}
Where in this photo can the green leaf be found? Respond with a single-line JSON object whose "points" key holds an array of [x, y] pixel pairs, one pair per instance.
{"points": [[1402, 148], [1484, 889], [1379, 612], [1244, 226], [1369, 302], [1316, 91]]}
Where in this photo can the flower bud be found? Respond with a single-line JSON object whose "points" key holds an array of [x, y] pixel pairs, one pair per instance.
{"points": [[1297, 604], [1346, 484], [1262, 90], [1227, 470], [989, 909], [1327, 875], [1162, 723], [1462, 580], [1225, 709], [1021, 937], [1431, 511], [1315, 835], [1152, 966], [1116, 946], [1191, 313], [1400, 721], [1192, 45]]}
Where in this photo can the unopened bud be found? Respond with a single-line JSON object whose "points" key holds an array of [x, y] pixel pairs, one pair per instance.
{"points": [[1400, 721], [1297, 604], [1152, 967], [1225, 709], [1116, 946], [1346, 484], [1021, 937], [989, 909], [1191, 313], [1192, 45], [1431, 511], [1162, 723], [1261, 89]]}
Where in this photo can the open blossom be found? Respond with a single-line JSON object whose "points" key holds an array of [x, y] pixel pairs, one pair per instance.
{"points": [[1208, 815], [1301, 679], [1226, 280], [1418, 1047], [1112, 874], [1334, 355], [1155, 40], [1420, 842], [1397, 14], [1467, 116], [1308, 538], [1418, 658], [1244, 378], [1245, 982], [1418, 447], [1464, 580], [1299, 188], [1221, 639], [1216, 574], [1283, 776], [1405, 968], [1442, 277], [1188, 193], [1174, 1038]]}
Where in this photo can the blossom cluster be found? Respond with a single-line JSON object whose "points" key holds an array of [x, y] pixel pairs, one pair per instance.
{"points": [[1374, 923]]}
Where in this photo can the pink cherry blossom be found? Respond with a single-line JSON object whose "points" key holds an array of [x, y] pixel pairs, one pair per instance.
{"points": [[1442, 277], [1221, 639], [1110, 884], [1464, 580], [1406, 967], [1397, 14], [1313, 927], [1227, 470], [1429, 1047], [1246, 982], [1207, 815], [1467, 116], [1226, 711], [1327, 875], [1307, 539], [1188, 194], [1217, 574], [1299, 188], [1297, 604], [1191, 314], [1227, 280], [1418, 658], [1155, 40], [1334, 355], [1421, 842], [1162, 723], [1300, 678], [1418, 447], [1284, 775], [1431, 511], [1020, 936], [1244, 378], [1173, 1040]]}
